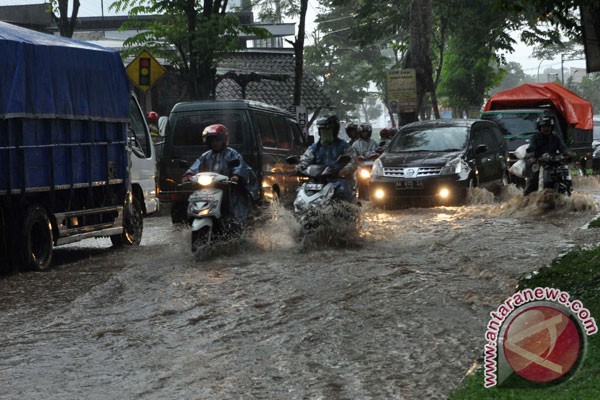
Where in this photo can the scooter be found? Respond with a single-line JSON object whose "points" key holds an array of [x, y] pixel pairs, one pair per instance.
{"points": [[316, 202], [363, 175], [210, 210]]}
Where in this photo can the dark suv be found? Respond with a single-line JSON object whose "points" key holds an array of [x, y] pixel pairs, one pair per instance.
{"points": [[439, 160], [264, 135]]}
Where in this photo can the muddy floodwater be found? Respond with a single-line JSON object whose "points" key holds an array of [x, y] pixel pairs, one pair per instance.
{"points": [[399, 312]]}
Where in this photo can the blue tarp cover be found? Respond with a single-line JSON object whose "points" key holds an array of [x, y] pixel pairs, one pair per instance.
{"points": [[47, 76]]}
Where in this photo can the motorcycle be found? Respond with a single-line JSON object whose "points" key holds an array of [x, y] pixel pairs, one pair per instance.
{"points": [[316, 204], [554, 173], [210, 210], [363, 174], [554, 170]]}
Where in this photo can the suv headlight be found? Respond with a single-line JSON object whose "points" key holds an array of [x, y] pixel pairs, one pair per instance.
{"points": [[452, 167], [377, 170]]}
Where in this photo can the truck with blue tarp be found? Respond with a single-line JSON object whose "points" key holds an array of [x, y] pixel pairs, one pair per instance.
{"points": [[64, 153]]}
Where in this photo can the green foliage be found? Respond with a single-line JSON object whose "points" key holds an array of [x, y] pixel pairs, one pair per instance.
{"points": [[471, 66], [545, 23], [193, 36], [589, 89]]}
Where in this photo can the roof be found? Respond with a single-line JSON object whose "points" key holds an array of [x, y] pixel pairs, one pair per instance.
{"points": [[226, 105], [33, 16], [443, 123], [274, 63], [577, 111]]}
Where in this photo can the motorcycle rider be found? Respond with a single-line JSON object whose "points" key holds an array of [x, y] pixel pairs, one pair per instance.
{"points": [[365, 146], [544, 141], [352, 132], [326, 152], [217, 160]]}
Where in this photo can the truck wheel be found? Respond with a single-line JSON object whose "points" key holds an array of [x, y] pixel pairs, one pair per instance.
{"points": [[35, 242], [133, 227]]}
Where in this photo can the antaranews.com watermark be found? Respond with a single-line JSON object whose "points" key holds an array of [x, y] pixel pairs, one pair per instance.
{"points": [[539, 334]]}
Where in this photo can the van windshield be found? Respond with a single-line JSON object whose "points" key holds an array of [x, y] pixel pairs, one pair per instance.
{"points": [[439, 138], [515, 124], [188, 127]]}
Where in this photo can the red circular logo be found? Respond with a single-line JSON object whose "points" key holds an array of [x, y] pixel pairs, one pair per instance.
{"points": [[542, 344]]}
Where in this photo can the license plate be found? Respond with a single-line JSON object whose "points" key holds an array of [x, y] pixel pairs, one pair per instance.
{"points": [[409, 184], [313, 186]]}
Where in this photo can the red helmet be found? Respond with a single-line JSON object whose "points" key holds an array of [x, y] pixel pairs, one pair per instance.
{"points": [[153, 117], [217, 131]]}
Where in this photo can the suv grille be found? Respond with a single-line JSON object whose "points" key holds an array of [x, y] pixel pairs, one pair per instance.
{"points": [[411, 172]]}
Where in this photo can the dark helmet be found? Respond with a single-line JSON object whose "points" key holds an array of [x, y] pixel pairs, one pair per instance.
{"points": [[385, 133], [329, 121], [153, 117], [545, 120], [215, 131], [366, 128], [351, 126]]}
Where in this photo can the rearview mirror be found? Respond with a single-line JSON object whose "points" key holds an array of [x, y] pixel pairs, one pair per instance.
{"points": [[482, 148], [182, 164], [293, 160]]}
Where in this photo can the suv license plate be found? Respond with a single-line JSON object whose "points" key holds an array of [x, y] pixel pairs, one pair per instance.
{"points": [[409, 184]]}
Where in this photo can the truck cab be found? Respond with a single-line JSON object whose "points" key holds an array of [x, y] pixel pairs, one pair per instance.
{"points": [[142, 159]]}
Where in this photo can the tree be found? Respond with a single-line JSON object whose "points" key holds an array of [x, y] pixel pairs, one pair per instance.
{"points": [[472, 68], [66, 25], [275, 11], [512, 75], [192, 35]]}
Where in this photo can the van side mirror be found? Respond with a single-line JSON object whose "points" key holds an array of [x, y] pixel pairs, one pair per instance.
{"points": [[293, 160], [343, 159], [482, 148], [182, 164]]}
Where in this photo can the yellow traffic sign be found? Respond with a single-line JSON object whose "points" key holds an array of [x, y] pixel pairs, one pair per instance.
{"points": [[144, 71]]}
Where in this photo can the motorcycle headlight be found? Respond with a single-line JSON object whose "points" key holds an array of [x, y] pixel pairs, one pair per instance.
{"points": [[364, 173], [205, 180], [452, 167], [377, 169]]}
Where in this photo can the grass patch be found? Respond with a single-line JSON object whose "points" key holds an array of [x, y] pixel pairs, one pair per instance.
{"points": [[594, 224], [577, 273]]}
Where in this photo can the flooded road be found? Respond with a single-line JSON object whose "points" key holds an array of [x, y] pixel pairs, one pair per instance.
{"points": [[399, 313]]}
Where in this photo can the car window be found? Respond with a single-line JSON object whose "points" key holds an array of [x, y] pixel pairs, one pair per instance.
{"points": [[265, 130], [515, 124], [489, 139], [282, 133], [498, 136], [138, 128], [439, 138], [297, 132], [187, 129]]}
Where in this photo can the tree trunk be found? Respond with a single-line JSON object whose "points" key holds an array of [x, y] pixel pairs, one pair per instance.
{"points": [[66, 27], [299, 53]]}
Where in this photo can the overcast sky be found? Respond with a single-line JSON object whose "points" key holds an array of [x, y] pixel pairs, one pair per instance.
{"points": [[522, 53]]}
